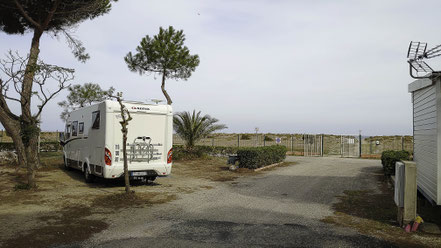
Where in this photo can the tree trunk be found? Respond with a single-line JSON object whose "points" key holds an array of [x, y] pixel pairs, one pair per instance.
{"points": [[32, 160], [28, 80], [12, 127], [30, 135], [169, 101], [126, 166], [124, 130]]}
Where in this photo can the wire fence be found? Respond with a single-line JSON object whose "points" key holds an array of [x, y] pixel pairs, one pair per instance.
{"points": [[296, 144], [313, 144]]}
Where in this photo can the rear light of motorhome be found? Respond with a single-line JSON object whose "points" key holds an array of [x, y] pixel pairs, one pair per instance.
{"points": [[107, 157], [169, 156]]}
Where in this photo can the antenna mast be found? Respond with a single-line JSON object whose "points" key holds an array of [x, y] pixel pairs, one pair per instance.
{"points": [[416, 54]]}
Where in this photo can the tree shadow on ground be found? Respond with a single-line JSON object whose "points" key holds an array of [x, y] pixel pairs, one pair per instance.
{"points": [[100, 182]]}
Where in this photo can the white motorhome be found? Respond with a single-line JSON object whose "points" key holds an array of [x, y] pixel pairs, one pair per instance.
{"points": [[92, 140]]}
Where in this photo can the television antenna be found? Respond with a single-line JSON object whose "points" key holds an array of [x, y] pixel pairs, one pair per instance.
{"points": [[416, 54]]}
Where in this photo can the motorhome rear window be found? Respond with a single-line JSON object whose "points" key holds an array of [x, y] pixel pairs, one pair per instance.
{"points": [[96, 120], [75, 128], [81, 128]]}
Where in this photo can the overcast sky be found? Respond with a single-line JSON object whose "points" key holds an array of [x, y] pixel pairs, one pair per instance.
{"points": [[283, 66]]}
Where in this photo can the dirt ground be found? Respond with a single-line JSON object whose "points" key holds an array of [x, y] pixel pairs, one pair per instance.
{"points": [[63, 201], [373, 212]]}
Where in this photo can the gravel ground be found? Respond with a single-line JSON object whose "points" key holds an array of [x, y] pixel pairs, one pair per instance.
{"points": [[279, 208]]}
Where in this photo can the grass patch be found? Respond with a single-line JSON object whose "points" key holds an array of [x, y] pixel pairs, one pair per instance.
{"points": [[22, 186], [139, 199], [50, 160], [211, 168]]}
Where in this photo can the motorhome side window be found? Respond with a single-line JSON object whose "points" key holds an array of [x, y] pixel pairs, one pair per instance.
{"points": [[75, 128], [81, 128], [96, 120]]}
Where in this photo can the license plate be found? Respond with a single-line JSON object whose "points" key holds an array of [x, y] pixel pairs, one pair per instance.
{"points": [[139, 173]]}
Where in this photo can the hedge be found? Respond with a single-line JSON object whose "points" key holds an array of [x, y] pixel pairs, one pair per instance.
{"points": [[389, 158], [180, 153], [256, 157]]}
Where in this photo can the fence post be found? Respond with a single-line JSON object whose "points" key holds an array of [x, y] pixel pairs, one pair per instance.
{"points": [[342, 146], [304, 146], [264, 139], [359, 145], [402, 143], [322, 150], [238, 140], [370, 146], [292, 144]]}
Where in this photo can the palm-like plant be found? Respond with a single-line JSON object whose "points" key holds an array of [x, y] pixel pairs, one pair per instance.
{"points": [[192, 127]]}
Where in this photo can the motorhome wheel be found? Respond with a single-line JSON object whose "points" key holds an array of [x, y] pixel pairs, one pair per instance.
{"points": [[89, 178], [66, 166]]}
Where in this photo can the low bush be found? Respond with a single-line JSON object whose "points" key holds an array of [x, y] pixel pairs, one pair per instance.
{"points": [[181, 153], [22, 186], [256, 157], [268, 138], [245, 136], [389, 158]]}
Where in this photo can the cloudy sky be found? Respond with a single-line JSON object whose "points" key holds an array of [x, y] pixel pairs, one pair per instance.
{"points": [[283, 66]]}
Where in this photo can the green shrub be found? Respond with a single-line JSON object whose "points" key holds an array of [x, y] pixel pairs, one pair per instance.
{"points": [[7, 146], [256, 157], [389, 158], [268, 138], [180, 153], [22, 186], [245, 136]]}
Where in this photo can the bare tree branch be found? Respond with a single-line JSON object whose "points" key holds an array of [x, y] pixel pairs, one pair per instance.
{"points": [[14, 68]]}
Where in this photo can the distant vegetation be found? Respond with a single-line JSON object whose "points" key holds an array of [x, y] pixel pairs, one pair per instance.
{"points": [[83, 95], [192, 127], [245, 136]]}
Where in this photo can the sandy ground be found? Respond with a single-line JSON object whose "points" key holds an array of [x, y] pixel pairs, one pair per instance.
{"points": [[64, 209], [202, 204]]}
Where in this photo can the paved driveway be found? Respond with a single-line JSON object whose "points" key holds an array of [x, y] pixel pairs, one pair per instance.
{"points": [[280, 208]]}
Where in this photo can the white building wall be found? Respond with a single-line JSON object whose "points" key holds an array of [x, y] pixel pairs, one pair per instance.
{"points": [[426, 117]]}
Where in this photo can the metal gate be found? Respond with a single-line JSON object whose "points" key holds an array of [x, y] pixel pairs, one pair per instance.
{"points": [[350, 146], [312, 145]]}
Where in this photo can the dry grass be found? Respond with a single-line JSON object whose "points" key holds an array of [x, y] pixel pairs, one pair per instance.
{"points": [[62, 201], [212, 168]]}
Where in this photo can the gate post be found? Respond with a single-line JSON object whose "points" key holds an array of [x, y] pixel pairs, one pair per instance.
{"points": [[264, 139], [292, 144], [359, 145], [322, 142], [342, 146], [402, 143]]}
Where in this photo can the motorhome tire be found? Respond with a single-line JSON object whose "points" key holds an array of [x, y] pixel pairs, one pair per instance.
{"points": [[151, 179], [89, 178], [66, 166]]}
